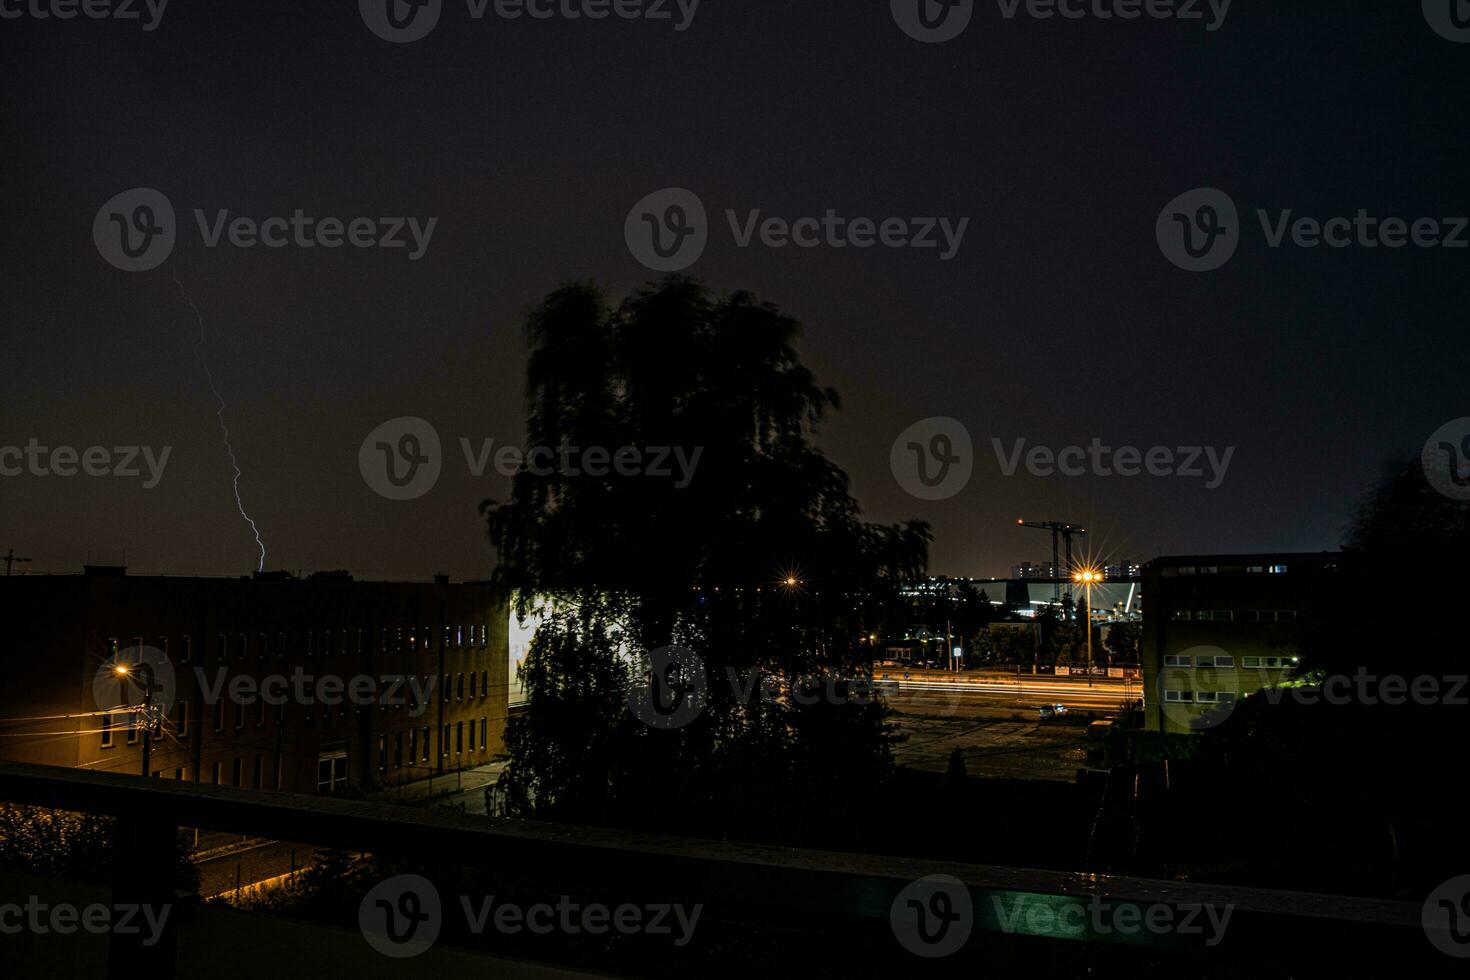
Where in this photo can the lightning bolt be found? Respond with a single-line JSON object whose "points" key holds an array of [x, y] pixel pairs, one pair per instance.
{"points": [[220, 414]]}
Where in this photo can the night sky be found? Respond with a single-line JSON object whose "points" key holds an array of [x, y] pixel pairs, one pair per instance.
{"points": [[1059, 319]]}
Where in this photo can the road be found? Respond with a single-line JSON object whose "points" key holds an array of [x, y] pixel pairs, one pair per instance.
{"points": [[946, 694]]}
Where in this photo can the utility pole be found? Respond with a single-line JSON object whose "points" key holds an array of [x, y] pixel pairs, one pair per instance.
{"points": [[10, 559]]}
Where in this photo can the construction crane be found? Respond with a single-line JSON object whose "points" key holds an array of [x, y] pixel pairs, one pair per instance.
{"points": [[1060, 531], [10, 559]]}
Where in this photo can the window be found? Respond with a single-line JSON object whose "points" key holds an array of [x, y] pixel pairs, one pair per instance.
{"points": [[1224, 661], [444, 743], [239, 715], [1250, 661], [459, 687], [472, 734], [215, 771], [132, 728], [181, 773], [447, 690], [459, 738], [259, 780], [362, 641], [310, 644], [1206, 697], [1180, 697], [1175, 661], [413, 745], [1286, 615], [424, 746], [1255, 569], [1219, 616], [382, 753], [331, 771], [276, 772], [474, 687], [1181, 615], [459, 637], [241, 652], [484, 635], [263, 649], [1188, 570], [221, 647], [281, 645], [112, 646], [448, 637], [1209, 570], [186, 648], [107, 731], [397, 750], [484, 683], [259, 714], [1250, 616], [483, 733], [219, 716], [181, 719], [1276, 570]]}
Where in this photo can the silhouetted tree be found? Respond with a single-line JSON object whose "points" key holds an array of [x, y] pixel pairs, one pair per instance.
{"points": [[753, 555]]}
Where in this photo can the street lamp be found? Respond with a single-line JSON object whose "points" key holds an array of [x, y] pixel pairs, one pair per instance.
{"points": [[1086, 577]]}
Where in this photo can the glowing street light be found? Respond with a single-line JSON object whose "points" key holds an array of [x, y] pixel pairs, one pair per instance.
{"points": [[1086, 577]]}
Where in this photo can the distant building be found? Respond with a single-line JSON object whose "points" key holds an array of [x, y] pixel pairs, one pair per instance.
{"points": [[1219, 627], [1029, 570], [308, 685]]}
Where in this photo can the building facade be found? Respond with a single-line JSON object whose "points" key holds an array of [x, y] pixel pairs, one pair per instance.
{"points": [[1217, 628], [305, 685]]}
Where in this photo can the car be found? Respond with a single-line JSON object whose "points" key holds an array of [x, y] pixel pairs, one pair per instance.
{"points": [[1053, 710]]}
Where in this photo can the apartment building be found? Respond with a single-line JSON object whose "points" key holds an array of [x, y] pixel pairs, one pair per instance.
{"points": [[1217, 628], [268, 682]]}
